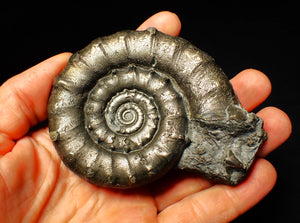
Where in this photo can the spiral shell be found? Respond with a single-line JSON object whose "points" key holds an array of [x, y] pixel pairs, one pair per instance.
{"points": [[125, 108]]}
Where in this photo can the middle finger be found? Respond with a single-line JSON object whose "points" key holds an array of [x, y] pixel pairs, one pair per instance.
{"points": [[252, 87]]}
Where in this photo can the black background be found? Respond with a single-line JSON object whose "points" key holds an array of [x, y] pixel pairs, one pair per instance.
{"points": [[264, 37]]}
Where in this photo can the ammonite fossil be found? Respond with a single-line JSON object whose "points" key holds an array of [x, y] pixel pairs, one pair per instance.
{"points": [[131, 106]]}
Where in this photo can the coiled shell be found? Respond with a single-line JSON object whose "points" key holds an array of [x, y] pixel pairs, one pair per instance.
{"points": [[125, 108]]}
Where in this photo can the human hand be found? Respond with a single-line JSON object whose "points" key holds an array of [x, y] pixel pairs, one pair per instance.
{"points": [[36, 187]]}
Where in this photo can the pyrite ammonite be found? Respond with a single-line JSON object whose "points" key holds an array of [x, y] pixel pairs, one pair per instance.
{"points": [[133, 105]]}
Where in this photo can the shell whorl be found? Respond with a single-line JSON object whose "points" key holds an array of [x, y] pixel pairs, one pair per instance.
{"points": [[130, 107], [122, 110], [115, 120]]}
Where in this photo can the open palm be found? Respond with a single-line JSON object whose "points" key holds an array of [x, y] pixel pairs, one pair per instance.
{"points": [[35, 186]]}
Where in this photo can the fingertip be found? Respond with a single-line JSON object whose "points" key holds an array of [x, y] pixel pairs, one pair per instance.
{"points": [[61, 58], [260, 76], [263, 173], [64, 55], [260, 181], [278, 126], [165, 21], [271, 171], [252, 87]]}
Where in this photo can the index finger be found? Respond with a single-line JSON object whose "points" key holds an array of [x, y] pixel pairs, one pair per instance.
{"points": [[166, 22], [24, 99]]}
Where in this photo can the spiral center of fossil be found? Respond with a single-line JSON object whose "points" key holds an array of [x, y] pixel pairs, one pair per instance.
{"points": [[125, 111], [128, 117], [129, 114], [131, 107], [127, 122]]}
